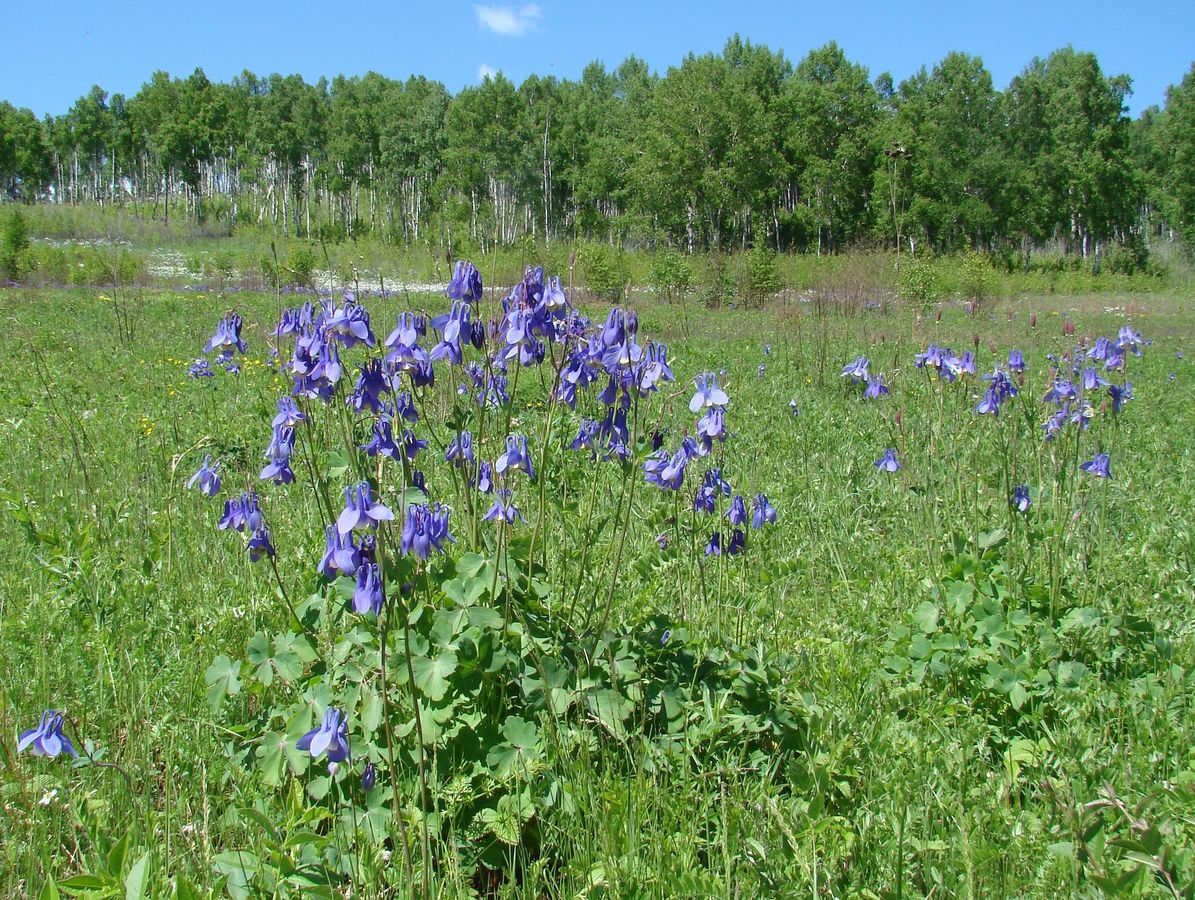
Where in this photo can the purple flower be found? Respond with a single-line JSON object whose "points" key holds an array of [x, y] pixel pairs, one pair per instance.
{"points": [[289, 414], [1062, 391], [1092, 379], [1098, 466], [241, 513], [856, 370], [282, 444], [426, 527], [738, 542], [504, 509], [227, 336], [47, 738], [714, 547], [465, 284], [737, 514], [515, 457], [460, 451], [888, 462], [711, 427], [369, 777], [367, 597], [340, 554], [360, 511], [485, 477], [792, 405], [208, 477], [762, 512], [201, 368], [1016, 361], [259, 544], [875, 388], [708, 393], [330, 739], [990, 404], [1021, 499], [1120, 395]]}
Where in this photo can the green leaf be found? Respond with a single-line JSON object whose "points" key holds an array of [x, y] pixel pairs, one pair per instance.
{"points": [[138, 877], [222, 681], [432, 673], [49, 891], [993, 538], [520, 732], [925, 617], [335, 464]]}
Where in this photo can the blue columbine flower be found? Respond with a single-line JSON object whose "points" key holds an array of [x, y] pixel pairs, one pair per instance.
{"points": [[1098, 466], [737, 514], [708, 393], [241, 513], [259, 544], [485, 477], [1120, 394], [367, 597], [460, 451], [762, 512], [515, 457], [425, 529], [330, 739], [504, 509], [856, 370], [47, 738], [888, 462], [738, 542], [227, 336], [875, 388], [465, 284], [208, 477], [341, 555], [289, 414], [369, 777], [1021, 499], [1016, 361], [360, 510], [714, 547], [201, 368]]}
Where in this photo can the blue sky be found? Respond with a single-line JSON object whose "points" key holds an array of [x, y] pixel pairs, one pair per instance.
{"points": [[49, 60]]}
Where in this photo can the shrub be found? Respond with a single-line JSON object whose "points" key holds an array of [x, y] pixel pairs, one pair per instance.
{"points": [[14, 247], [603, 271], [919, 282]]}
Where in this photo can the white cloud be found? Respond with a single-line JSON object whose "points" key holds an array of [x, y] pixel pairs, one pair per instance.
{"points": [[508, 21], [484, 72]]}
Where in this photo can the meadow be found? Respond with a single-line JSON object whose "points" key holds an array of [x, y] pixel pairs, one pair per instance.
{"points": [[931, 651]]}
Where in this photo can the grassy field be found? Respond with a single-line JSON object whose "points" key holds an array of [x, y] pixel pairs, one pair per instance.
{"points": [[904, 686]]}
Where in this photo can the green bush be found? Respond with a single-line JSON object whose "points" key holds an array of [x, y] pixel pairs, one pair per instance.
{"points": [[762, 275], [671, 274], [14, 247], [603, 271], [920, 282]]}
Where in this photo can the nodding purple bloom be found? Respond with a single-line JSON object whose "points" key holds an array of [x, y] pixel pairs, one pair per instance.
{"points": [[371, 388], [1128, 339], [241, 513], [426, 527], [875, 388], [367, 596], [485, 477], [208, 477], [761, 370], [1054, 424], [666, 472], [555, 300], [762, 512], [1098, 466], [201, 368], [587, 434], [360, 510], [340, 554], [933, 357], [504, 509], [1100, 349], [411, 445], [453, 326], [1082, 416], [382, 441], [515, 457], [738, 542], [715, 481], [705, 500], [737, 514], [655, 368], [229, 366], [419, 481], [1021, 499], [990, 404], [460, 451], [714, 547], [1115, 360], [465, 284], [1092, 379], [888, 462], [1002, 384], [767, 349], [330, 739], [1016, 361], [369, 777], [408, 331], [495, 395], [227, 336], [289, 414], [708, 393], [1061, 392], [282, 444], [792, 405], [711, 427], [1120, 395], [259, 544], [662, 540], [856, 370], [47, 738], [404, 407], [350, 325]]}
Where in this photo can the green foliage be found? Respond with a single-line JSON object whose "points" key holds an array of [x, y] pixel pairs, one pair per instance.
{"points": [[603, 270], [762, 275], [919, 282], [671, 274], [14, 246]]}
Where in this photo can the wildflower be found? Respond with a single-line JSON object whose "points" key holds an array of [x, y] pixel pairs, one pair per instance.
{"points": [[762, 369], [516, 456], [762, 512], [856, 369], [465, 284], [738, 542], [426, 527], [289, 414], [208, 477], [360, 510], [875, 388], [711, 427], [371, 387], [201, 369], [340, 554], [792, 405], [708, 393], [1092, 379], [1016, 361], [1120, 395], [369, 777], [47, 738], [460, 451], [888, 462], [485, 477], [282, 444], [1061, 391], [227, 336], [330, 739], [259, 544], [367, 597], [990, 404], [662, 540], [1021, 499], [241, 513], [1098, 466], [504, 511], [737, 514], [714, 547], [767, 349]]}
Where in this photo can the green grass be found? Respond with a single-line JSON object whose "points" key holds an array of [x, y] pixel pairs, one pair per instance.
{"points": [[117, 592]]}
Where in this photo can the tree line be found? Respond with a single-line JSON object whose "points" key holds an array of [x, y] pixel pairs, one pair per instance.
{"points": [[724, 151]]}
